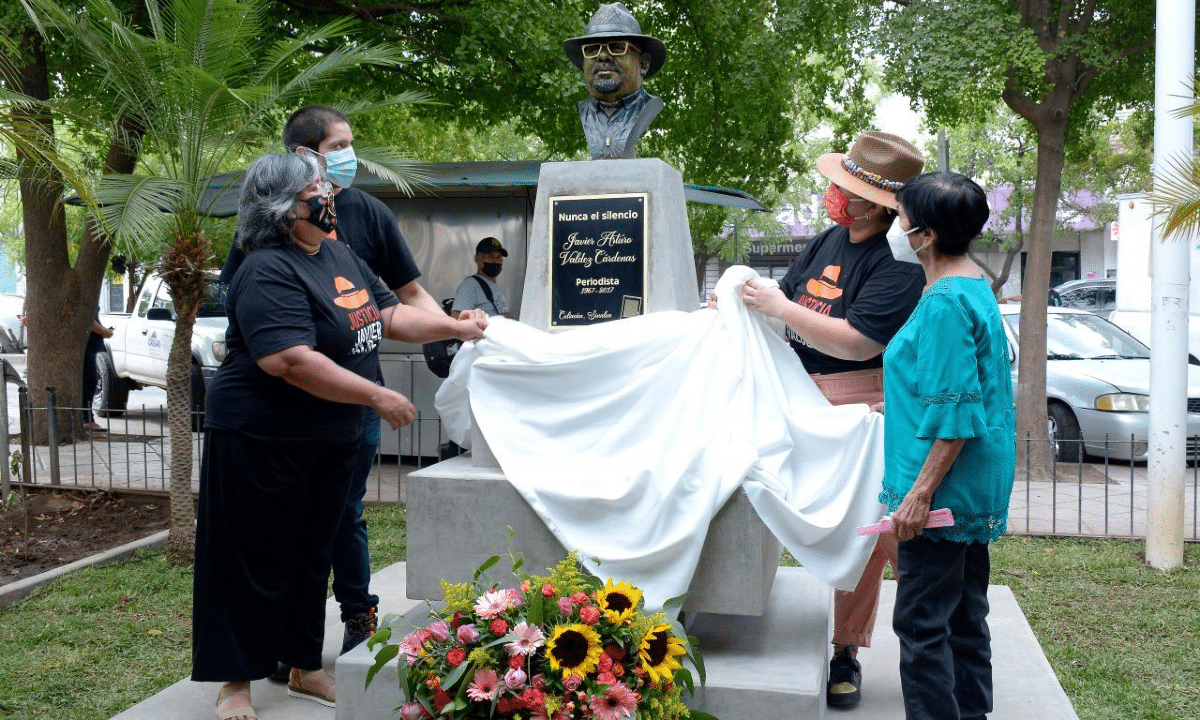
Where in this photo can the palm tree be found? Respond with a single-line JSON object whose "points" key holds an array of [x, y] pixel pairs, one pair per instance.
{"points": [[206, 89], [1178, 192]]}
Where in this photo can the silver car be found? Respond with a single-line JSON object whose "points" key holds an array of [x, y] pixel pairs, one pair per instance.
{"points": [[1097, 386]]}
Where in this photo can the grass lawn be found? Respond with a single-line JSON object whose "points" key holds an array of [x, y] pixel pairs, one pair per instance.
{"points": [[1122, 638]]}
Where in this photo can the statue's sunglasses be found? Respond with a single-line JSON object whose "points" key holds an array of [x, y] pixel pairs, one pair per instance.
{"points": [[616, 48]]}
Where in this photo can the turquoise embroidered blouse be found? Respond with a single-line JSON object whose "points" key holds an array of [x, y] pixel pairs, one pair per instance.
{"points": [[946, 375]]}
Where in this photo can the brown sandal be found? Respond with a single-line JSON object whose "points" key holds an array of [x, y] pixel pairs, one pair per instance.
{"points": [[318, 686], [238, 704]]}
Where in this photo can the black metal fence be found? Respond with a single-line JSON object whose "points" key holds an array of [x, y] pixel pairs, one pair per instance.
{"points": [[1095, 497]]}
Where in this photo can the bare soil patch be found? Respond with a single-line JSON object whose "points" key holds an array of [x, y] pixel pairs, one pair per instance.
{"points": [[42, 529]]}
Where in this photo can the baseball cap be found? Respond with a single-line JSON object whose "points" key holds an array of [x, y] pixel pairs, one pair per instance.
{"points": [[490, 245]]}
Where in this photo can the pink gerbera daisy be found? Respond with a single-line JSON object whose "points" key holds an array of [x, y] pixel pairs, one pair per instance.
{"points": [[413, 644], [617, 701], [529, 639], [491, 604], [484, 685]]}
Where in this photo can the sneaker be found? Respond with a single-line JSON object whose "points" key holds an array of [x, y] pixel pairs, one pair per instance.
{"points": [[845, 678], [358, 628]]}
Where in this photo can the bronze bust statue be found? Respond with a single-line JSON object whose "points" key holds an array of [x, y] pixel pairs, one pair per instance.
{"points": [[615, 58]]}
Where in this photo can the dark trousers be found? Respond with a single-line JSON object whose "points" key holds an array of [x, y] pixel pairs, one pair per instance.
{"points": [[351, 551], [941, 620], [264, 536], [95, 345]]}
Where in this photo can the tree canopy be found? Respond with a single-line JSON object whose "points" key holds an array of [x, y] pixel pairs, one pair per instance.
{"points": [[1060, 66]]}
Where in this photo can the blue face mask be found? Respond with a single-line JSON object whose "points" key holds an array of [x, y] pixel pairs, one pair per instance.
{"points": [[341, 166]]}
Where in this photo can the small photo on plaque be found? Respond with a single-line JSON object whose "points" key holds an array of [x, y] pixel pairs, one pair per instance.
{"points": [[631, 306]]}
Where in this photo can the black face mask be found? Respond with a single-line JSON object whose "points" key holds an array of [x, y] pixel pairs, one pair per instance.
{"points": [[321, 212], [492, 269]]}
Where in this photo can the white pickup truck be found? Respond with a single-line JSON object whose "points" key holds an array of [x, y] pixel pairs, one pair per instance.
{"points": [[136, 355]]}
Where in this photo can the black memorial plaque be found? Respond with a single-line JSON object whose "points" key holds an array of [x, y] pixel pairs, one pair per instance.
{"points": [[597, 258]]}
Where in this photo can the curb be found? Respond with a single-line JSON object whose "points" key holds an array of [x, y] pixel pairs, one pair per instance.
{"points": [[13, 592]]}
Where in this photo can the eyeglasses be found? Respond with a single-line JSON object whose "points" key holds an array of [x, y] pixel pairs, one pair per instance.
{"points": [[616, 48]]}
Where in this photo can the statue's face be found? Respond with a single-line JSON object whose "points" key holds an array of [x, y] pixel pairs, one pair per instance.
{"points": [[611, 77]]}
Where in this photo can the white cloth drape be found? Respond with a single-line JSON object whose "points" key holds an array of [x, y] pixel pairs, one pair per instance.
{"points": [[627, 437]]}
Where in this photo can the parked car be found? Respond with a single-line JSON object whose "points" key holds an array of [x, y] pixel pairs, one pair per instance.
{"points": [[1098, 295], [136, 355], [1097, 385], [12, 315]]}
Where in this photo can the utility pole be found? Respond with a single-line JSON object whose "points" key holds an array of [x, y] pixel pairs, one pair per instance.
{"points": [[1175, 45]]}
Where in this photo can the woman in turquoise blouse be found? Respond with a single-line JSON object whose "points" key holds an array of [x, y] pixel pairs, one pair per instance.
{"points": [[949, 443]]}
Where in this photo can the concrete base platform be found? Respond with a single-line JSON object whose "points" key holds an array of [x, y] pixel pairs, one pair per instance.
{"points": [[1025, 685], [460, 513]]}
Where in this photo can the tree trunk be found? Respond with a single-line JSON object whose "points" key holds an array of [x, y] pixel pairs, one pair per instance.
{"points": [[55, 306], [183, 268], [181, 540], [1049, 119]]}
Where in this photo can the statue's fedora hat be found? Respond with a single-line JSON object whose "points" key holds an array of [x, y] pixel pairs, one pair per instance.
{"points": [[876, 167], [613, 21]]}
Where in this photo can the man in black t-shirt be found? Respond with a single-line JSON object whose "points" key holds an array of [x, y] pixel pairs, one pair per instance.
{"points": [[842, 301]]}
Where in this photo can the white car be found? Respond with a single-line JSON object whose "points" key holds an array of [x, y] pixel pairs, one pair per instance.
{"points": [[1097, 386], [12, 315]]}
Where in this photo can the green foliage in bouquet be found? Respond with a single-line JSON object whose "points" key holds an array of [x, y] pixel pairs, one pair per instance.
{"points": [[560, 647]]}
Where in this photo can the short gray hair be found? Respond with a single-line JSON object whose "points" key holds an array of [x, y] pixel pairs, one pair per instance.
{"points": [[269, 198]]}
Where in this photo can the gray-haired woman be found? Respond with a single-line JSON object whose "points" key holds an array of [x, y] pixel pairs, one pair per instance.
{"points": [[283, 419]]}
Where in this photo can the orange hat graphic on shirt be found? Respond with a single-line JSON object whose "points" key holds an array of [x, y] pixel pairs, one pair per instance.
{"points": [[826, 287], [349, 298]]}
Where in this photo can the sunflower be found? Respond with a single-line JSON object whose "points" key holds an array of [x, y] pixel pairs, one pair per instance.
{"points": [[658, 651], [618, 601], [574, 649]]}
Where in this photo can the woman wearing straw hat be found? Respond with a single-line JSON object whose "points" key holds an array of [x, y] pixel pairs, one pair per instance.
{"points": [[843, 299]]}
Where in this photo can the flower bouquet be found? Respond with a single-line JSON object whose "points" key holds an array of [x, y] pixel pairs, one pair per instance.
{"points": [[559, 647]]}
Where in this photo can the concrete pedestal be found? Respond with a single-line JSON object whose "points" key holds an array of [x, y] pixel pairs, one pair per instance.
{"points": [[669, 271], [459, 514], [772, 666]]}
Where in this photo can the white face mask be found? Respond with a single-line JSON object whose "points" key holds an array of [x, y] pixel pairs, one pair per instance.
{"points": [[897, 239]]}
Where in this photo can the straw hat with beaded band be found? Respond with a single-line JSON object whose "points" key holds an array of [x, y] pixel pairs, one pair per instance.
{"points": [[876, 167]]}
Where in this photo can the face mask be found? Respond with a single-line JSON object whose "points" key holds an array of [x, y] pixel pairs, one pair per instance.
{"points": [[897, 239], [836, 203], [341, 166], [492, 269], [321, 212]]}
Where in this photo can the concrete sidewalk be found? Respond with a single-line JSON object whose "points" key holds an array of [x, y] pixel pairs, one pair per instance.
{"points": [[1025, 685]]}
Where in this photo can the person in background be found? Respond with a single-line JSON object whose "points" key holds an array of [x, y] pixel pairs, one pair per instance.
{"points": [[369, 228], [948, 443], [481, 291], [95, 345], [843, 299], [283, 429]]}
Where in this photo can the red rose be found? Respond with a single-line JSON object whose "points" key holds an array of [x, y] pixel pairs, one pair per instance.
{"points": [[441, 699], [532, 699], [590, 614], [615, 651], [499, 626], [457, 618], [456, 657]]}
